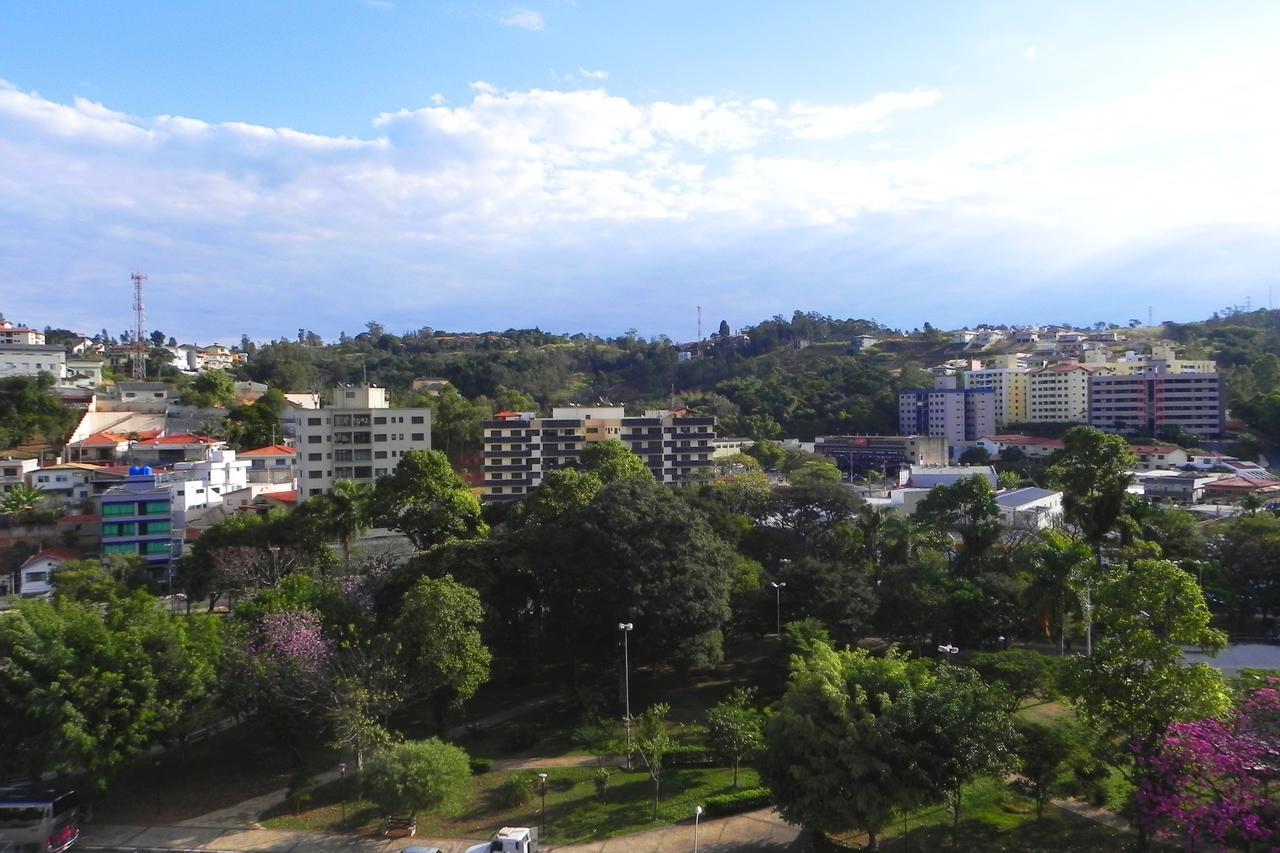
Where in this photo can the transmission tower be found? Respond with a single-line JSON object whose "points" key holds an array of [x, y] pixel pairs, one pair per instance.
{"points": [[139, 345]]}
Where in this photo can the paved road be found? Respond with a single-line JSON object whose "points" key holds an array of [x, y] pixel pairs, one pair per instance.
{"points": [[753, 831]]}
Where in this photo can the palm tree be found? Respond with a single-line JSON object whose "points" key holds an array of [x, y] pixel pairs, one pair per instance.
{"points": [[21, 499], [348, 513], [1060, 561]]}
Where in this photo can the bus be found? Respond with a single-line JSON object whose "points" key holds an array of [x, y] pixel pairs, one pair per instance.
{"points": [[38, 821]]}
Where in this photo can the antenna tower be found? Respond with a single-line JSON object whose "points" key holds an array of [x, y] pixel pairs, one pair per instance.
{"points": [[1149, 315], [139, 345], [699, 322]]}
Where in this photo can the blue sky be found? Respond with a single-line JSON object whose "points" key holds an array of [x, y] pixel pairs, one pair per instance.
{"points": [[604, 166]]}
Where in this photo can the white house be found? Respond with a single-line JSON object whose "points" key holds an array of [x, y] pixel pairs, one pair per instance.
{"points": [[37, 571], [13, 472], [1029, 508]]}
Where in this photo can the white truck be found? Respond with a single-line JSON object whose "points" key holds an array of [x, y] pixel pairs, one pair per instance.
{"points": [[510, 839]]}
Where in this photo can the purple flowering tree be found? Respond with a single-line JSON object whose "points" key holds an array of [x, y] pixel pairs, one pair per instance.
{"points": [[1217, 781]]}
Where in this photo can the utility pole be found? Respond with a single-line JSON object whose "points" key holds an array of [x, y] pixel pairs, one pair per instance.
{"points": [[139, 346]]}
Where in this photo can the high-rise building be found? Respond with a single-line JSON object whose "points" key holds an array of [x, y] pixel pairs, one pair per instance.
{"points": [[138, 519], [1009, 384], [1157, 401], [1060, 393], [521, 448], [360, 437], [956, 414]]}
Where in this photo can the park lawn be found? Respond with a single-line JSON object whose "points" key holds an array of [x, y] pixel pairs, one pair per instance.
{"points": [[994, 817], [232, 766], [575, 814], [1045, 712]]}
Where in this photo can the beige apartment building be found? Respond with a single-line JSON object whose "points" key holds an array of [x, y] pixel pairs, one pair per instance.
{"points": [[1009, 385], [1060, 393], [359, 437], [1157, 401]]}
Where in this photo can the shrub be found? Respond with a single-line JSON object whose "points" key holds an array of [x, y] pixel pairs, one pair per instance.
{"points": [[688, 755], [601, 781], [738, 801], [481, 765], [519, 789]]}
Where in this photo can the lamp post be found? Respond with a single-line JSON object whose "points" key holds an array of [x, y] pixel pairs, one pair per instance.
{"points": [[542, 815], [626, 628], [342, 783], [777, 588], [697, 813]]}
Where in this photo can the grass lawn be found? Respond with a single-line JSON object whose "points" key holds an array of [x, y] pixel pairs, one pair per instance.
{"points": [[574, 813], [996, 818], [1045, 712], [237, 764]]}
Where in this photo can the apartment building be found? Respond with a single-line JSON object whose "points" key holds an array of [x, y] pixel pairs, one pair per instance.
{"points": [[359, 437], [521, 448], [13, 472], [1060, 393], [1009, 388], [956, 414], [11, 334], [138, 520], [32, 360], [1156, 401]]}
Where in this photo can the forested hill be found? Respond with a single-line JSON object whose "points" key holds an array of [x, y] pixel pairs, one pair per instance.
{"points": [[794, 376]]}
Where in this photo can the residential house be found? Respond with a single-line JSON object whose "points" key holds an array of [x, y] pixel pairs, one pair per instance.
{"points": [[65, 483], [276, 464], [13, 472], [38, 569], [1031, 446], [170, 449], [1030, 508], [1153, 457]]}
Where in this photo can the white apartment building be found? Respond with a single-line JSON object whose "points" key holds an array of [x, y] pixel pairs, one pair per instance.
{"points": [[1009, 386], [956, 414], [1059, 393], [11, 334], [32, 360], [13, 472], [360, 437]]}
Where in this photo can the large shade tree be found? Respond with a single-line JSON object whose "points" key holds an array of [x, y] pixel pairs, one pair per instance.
{"points": [[424, 499]]}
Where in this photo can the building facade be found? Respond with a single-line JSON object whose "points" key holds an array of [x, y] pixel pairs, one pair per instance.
{"points": [[1009, 386], [1156, 401], [886, 453], [521, 448], [1059, 394], [32, 360], [956, 414], [360, 437], [138, 520]]}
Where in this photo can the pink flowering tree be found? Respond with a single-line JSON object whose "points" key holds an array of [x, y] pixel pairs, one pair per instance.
{"points": [[1217, 781]]}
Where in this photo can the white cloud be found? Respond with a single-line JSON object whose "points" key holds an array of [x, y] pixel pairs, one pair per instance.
{"points": [[438, 99], [525, 19], [808, 121], [1030, 54], [448, 194], [593, 75]]}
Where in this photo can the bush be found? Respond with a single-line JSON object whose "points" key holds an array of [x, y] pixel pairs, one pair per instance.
{"points": [[481, 765], [519, 789], [689, 755], [738, 801], [520, 737], [601, 781]]}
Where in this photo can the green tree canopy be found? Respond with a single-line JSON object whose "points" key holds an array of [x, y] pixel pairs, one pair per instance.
{"points": [[438, 632], [426, 501], [417, 776], [611, 460], [211, 389]]}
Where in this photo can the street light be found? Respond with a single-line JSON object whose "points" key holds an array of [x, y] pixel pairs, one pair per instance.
{"points": [[626, 628], [777, 588], [697, 813], [542, 816], [342, 783]]}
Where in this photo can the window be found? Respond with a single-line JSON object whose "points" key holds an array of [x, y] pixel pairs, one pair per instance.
{"points": [[379, 454], [379, 421], [120, 548], [313, 457], [32, 577], [416, 419], [360, 420], [313, 439], [342, 455], [313, 422], [363, 472], [157, 548], [417, 436], [127, 528], [360, 437], [379, 472], [118, 509], [315, 475], [378, 436], [314, 492], [342, 420], [155, 508]]}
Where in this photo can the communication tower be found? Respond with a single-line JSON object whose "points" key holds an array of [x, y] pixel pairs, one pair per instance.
{"points": [[139, 343]]}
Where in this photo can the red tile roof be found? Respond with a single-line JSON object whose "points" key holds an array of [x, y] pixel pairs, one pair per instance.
{"points": [[1241, 484], [59, 554], [270, 450], [1154, 448], [103, 439], [281, 497]]}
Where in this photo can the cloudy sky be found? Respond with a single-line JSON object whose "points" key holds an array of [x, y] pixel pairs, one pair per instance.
{"points": [[600, 166]]}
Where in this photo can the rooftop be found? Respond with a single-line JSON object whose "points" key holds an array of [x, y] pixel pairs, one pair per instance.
{"points": [[269, 450], [61, 554]]}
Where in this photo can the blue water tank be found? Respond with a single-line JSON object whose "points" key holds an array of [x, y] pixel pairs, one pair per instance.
{"points": [[134, 470], [145, 470]]}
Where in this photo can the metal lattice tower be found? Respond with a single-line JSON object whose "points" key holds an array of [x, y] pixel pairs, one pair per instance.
{"points": [[139, 343]]}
